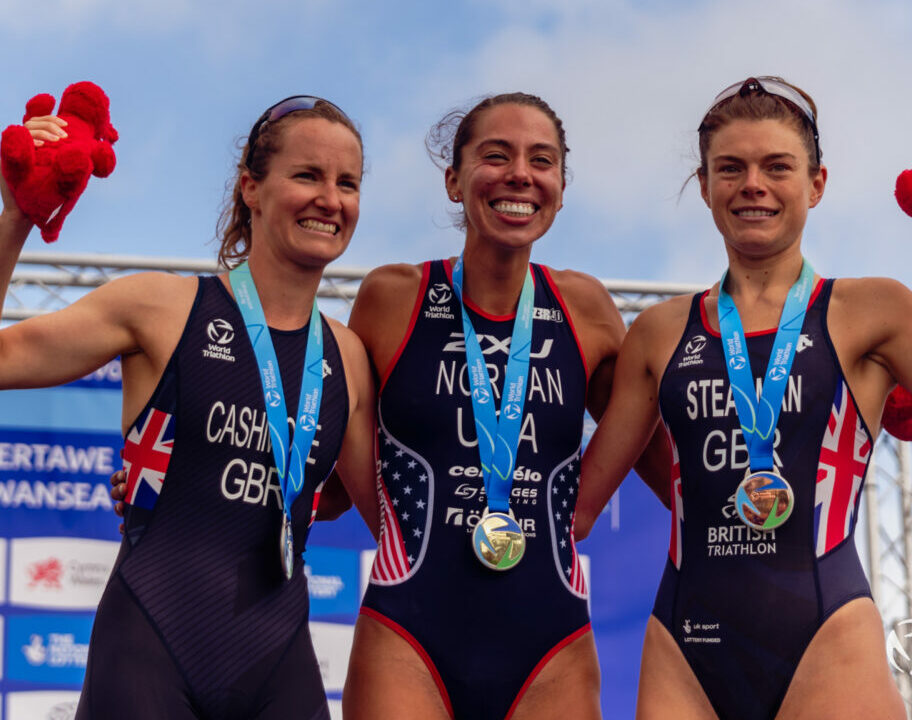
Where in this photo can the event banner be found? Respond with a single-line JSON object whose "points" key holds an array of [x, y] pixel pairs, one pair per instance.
{"points": [[59, 538]]}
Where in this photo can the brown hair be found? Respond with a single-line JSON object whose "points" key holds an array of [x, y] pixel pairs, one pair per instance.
{"points": [[754, 103], [233, 227]]}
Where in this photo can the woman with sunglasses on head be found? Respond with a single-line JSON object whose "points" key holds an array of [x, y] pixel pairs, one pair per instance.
{"points": [[770, 386], [205, 613], [477, 607]]}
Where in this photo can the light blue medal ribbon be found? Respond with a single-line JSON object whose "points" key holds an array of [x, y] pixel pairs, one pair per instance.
{"points": [[758, 417], [498, 539], [290, 461]]}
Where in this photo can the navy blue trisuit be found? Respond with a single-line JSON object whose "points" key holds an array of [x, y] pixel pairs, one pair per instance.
{"points": [[744, 604], [484, 635], [197, 619]]}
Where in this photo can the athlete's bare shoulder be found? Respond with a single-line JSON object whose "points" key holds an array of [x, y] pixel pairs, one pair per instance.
{"points": [[390, 280], [869, 309], [658, 329], [594, 314], [383, 307]]}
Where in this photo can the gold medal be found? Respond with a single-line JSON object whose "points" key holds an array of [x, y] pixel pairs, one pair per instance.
{"points": [[764, 500], [498, 541]]}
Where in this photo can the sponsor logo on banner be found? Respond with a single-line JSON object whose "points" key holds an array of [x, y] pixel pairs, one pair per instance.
{"points": [[2, 579], [60, 572], [332, 581], [107, 377], [49, 649], [48, 705], [332, 644], [43, 472]]}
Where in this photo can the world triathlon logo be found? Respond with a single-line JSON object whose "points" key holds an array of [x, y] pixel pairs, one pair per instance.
{"points": [[481, 396], [273, 399], [440, 293], [778, 373], [737, 362], [512, 411], [220, 331], [695, 345], [308, 422]]}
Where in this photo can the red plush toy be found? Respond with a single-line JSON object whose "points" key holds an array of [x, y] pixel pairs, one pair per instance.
{"points": [[904, 191], [897, 414], [46, 181]]}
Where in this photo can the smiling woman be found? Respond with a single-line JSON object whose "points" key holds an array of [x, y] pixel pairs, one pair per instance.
{"points": [[239, 399], [763, 610], [477, 605]]}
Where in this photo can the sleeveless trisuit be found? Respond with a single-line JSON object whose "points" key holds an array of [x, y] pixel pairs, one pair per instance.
{"points": [[197, 620], [483, 634], [744, 604]]}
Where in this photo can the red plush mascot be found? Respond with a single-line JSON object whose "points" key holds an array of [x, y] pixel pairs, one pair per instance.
{"points": [[48, 180], [897, 414]]}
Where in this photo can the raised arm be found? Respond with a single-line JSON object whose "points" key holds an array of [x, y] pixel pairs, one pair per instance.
{"points": [[870, 323], [14, 225]]}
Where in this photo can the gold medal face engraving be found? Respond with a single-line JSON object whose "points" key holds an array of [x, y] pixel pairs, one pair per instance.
{"points": [[764, 500], [498, 541]]}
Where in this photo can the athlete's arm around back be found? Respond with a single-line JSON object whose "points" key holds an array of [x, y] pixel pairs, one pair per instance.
{"points": [[356, 465], [601, 332], [629, 421]]}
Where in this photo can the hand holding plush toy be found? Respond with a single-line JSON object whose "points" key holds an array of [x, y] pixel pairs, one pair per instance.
{"points": [[897, 414], [46, 181]]}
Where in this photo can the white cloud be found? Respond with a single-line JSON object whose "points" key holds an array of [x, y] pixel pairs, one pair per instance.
{"points": [[632, 85]]}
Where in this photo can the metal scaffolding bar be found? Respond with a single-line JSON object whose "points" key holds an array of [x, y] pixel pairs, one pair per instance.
{"points": [[48, 281]]}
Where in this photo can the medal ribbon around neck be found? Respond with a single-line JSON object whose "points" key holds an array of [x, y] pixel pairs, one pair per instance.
{"points": [[498, 439], [290, 461], [758, 418]]}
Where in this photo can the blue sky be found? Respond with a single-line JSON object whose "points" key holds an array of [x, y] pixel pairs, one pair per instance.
{"points": [[631, 81]]}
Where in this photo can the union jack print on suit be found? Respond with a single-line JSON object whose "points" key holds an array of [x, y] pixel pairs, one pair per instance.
{"points": [[406, 496], [563, 487], [844, 457], [676, 546], [147, 452]]}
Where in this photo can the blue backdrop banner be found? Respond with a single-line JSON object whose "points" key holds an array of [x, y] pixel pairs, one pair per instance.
{"points": [[59, 539]]}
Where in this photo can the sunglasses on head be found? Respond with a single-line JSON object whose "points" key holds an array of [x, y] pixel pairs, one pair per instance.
{"points": [[281, 109], [771, 86]]}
